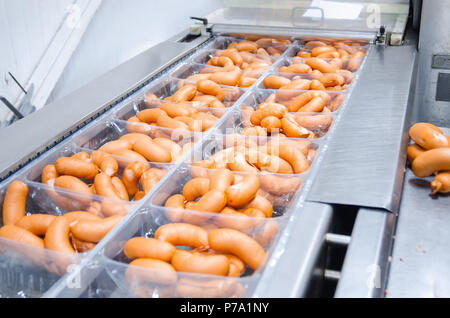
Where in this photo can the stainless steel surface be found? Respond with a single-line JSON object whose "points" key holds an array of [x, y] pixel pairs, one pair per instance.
{"points": [[365, 269], [420, 258], [296, 263], [434, 39], [26, 138], [364, 163], [337, 239]]}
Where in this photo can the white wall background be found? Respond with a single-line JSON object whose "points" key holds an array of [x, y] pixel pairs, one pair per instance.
{"points": [[122, 29], [119, 30], [26, 29]]}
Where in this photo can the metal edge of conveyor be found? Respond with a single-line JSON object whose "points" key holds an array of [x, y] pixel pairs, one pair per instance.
{"points": [[372, 143], [366, 265], [31, 136], [297, 262]]}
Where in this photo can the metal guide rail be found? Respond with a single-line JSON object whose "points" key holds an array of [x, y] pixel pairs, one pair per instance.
{"points": [[102, 272]]}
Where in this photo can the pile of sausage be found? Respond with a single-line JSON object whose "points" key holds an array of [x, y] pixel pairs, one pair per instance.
{"points": [[193, 108], [430, 154], [77, 231], [281, 117]]}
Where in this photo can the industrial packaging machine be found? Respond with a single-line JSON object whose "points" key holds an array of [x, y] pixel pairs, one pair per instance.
{"points": [[337, 236]]}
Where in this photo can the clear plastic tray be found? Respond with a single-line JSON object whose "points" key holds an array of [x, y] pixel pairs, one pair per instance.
{"points": [[223, 43], [28, 271], [188, 285], [187, 70], [217, 143], [204, 56], [310, 77]]}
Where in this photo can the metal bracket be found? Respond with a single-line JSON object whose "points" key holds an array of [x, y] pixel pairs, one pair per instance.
{"points": [[11, 107], [381, 39]]}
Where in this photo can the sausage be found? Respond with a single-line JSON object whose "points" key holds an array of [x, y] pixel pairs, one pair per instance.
{"points": [[150, 178], [242, 192], [104, 187], [76, 168], [183, 234], [355, 61], [14, 202], [195, 188], [321, 50], [36, 223], [211, 201], [230, 218], [74, 184], [131, 175], [431, 161], [229, 78], [298, 68], [209, 87], [192, 262], [297, 84], [150, 115], [105, 161], [239, 244], [265, 110], [57, 236], [185, 93], [84, 156], [276, 82], [262, 204], [247, 46], [317, 85], [126, 156], [150, 270], [279, 185], [20, 235], [267, 162], [139, 195], [77, 215], [292, 129], [233, 55], [314, 122], [174, 207], [81, 246], [152, 151], [240, 164], [332, 80], [413, 151], [221, 179], [172, 147], [268, 233], [315, 105], [179, 109], [168, 122], [120, 188], [441, 183], [94, 230], [131, 138], [115, 145], [134, 125], [428, 136], [255, 131], [294, 156], [321, 65], [142, 247]]}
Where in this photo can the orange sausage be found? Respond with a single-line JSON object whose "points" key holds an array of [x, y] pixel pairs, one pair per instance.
{"points": [[355, 61], [185, 93], [15, 202], [294, 156], [20, 235], [182, 234], [209, 87], [152, 151], [195, 188], [279, 185], [104, 187], [150, 270], [428, 136], [36, 223], [120, 188], [94, 230], [211, 201], [126, 156], [321, 65], [134, 125], [74, 184], [221, 179], [105, 161], [414, 150], [174, 207], [262, 204], [441, 183], [76, 168], [239, 244], [131, 175], [115, 145], [150, 115], [315, 105], [242, 192], [276, 82], [57, 236], [431, 161], [292, 129], [192, 262], [142, 247]]}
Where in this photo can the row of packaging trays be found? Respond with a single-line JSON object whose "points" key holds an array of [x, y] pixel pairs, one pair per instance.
{"points": [[101, 272]]}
